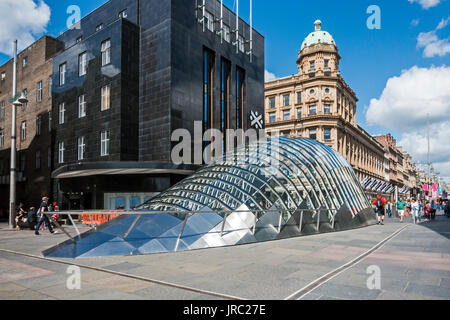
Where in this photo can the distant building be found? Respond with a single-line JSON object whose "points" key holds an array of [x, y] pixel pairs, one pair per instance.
{"points": [[317, 103], [33, 124]]}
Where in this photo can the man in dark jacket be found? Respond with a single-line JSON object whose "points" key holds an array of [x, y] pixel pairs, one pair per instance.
{"points": [[43, 218]]}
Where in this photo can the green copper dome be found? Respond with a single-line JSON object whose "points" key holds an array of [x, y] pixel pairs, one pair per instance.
{"points": [[318, 36]]}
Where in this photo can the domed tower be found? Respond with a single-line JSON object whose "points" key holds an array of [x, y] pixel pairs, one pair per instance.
{"points": [[319, 54]]}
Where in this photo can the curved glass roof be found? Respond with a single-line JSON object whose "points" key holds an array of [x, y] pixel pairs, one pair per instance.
{"points": [[278, 173]]}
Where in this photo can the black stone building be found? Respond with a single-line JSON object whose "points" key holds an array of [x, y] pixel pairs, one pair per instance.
{"points": [[132, 73]]}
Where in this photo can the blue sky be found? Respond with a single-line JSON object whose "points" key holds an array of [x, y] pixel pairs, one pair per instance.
{"points": [[369, 57]]}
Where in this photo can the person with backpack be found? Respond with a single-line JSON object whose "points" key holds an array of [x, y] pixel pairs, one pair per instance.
{"points": [[379, 203]]}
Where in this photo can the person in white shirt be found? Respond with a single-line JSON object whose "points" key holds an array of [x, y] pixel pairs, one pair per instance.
{"points": [[415, 210]]}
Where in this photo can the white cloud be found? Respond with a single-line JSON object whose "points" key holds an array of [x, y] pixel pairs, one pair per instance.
{"points": [[415, 22], [408, 98], [417, 145], [269, 76], [426, 4], [433, 46], [22, 20], [403, 107]]}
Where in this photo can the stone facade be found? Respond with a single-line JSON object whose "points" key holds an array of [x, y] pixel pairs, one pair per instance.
{"points": [[317, 103], [34, 68]]}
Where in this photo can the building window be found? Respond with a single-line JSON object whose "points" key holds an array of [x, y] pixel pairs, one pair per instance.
{"points": [[313, 110], [286, 115], [61, 152], [241, 43], [272, 102], [311, 91], [240, 97], [49, 157], [106, 93], [225, 80], [24, 105], [327, 90], [299, 113], [313, 134], [226, 33], [82, 64], [325, 64], [99, 27], [62, 74], [272, 117], [62, 111], [39, 92], [82, 106], [327, 134], [81, 148], [38, 125], [123, 14], [38, 159], [2, 138], [106, 52], [208, 87], [50, 121], [23, 135], [299, 97], [286, 100], [25, 62], [79, 39], [3, 76], [104, 140], [312, 65], [2, 110], [326, 108], [209, 21]]}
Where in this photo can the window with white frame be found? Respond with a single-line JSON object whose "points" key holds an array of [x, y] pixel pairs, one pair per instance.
{"points": [[62, 111], [82, 64], [104, 141], [81, 148], [106, 52], [226, 33], [106, 93], [241, 43], [38, 159], [209, 21], [3, 76], [23, 131], [272, 117], [286, 100], [287, 115], [82, 106], [2, 110], [61, 152], [326, 108], [313, 110], [62, 74], [272, 102], [39, 92]]}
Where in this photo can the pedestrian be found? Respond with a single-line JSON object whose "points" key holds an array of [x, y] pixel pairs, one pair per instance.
{"points": [[401, 205], [43, 218], [379, 203], [427, 210], [415, 210], [32, 218], [21, 214], [389, 209], [433, 209]]}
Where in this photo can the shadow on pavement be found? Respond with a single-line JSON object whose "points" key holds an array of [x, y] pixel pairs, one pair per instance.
{"points": [[441, 225]]}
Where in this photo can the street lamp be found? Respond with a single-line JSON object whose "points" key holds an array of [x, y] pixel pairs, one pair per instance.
{"points": [[18, 100]]}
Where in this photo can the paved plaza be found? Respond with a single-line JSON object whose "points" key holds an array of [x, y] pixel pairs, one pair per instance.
{"points": [[413, 260]]}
